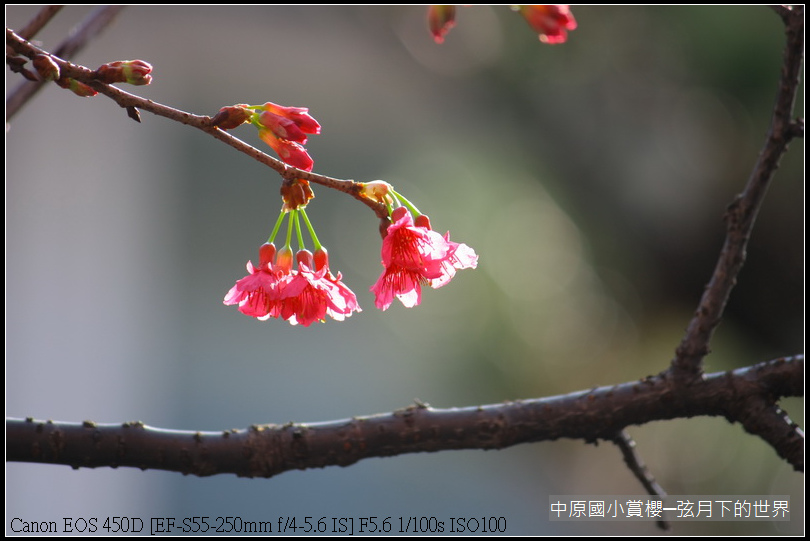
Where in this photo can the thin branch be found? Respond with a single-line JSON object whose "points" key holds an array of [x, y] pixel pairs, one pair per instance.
{"points": [[267, 450], [97, 21], [36, 24], [742, 212], [130, 101], [628, 449]]}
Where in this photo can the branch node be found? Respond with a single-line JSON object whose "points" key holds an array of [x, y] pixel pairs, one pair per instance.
{"points": [[133, 113]]}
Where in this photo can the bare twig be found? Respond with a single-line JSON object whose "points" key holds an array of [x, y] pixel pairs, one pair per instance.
{"points": [[628, 448], [267, 450], [36, 24], [742, 212], [97, 21], [130, 101]]}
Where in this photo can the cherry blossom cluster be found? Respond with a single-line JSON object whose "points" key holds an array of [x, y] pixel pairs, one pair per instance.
{"points": [[284, 129], [300, 287], [303, 295], [551, 22]]}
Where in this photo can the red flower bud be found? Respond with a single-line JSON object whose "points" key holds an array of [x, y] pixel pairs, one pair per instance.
{"points": [[290, 152], [282, 127], [298, 115]]}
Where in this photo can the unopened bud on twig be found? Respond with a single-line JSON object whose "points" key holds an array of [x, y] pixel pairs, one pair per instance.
{"points": [[77, 87], [134, 72], [232, 116], [46, 67]]}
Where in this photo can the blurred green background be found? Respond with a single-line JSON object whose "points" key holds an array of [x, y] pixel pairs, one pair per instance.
{"points": [[590, 177]]}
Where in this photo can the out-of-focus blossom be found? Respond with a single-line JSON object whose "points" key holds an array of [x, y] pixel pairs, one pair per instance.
{"points": [[440, 20], [551, 22]]}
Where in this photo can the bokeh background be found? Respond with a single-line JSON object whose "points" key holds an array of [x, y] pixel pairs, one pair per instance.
{"points": [[590, 177]]}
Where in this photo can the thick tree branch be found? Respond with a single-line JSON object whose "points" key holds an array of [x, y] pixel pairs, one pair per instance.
{"points": [[742, 212], [267, 450]]}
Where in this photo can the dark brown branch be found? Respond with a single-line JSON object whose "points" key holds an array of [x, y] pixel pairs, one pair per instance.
{"points": [[628, 448], [742, 212], [97, 21], [267, 450], [129, 101]]}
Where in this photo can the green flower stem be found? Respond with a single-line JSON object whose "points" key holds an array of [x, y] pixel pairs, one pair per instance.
{"points": [[289, 229], [277, 227], [411, 206], [311, 230], [298, 234]]}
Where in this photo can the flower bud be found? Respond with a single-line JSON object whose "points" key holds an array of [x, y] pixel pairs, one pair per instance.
{"points": [[137, 72], [290, 152], [282, 127], [230, 117], [134, 72], [377, 190], [46, 67], [78, 88], [298, 115]]}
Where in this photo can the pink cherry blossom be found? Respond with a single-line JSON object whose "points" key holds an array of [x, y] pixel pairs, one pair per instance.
{"points": [[311, 295], [413, 256], [405, 285], [259, 293]]}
